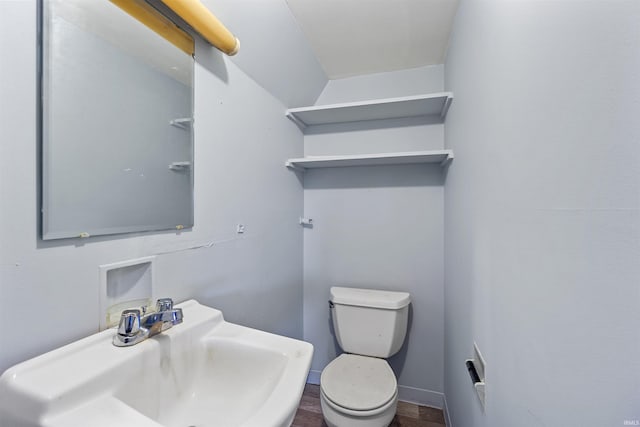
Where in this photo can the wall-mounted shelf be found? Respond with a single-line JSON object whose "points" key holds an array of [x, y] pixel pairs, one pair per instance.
{"points": [[435, 104], [404, 158]]}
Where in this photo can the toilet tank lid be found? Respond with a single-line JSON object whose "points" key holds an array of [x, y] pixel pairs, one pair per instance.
{"points": [[370, 298]]}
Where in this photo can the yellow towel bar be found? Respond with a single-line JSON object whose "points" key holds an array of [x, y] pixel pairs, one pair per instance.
{"points": [[205, 23]]}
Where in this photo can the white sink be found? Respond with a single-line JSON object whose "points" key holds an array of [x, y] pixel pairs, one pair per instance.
{"points": [[204, 372]]}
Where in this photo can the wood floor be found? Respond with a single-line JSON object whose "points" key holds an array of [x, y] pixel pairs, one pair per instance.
{"points": [[407, 415]]}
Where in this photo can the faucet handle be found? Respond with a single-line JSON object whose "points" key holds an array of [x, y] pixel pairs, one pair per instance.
{"points": [[129, 323], [164, 304]]}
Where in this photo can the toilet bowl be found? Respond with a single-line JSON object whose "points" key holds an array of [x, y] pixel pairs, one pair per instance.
{"points": [[359, 388], [358, 391]]}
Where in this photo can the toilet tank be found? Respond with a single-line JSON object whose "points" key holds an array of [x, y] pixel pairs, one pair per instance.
{"points": [[369, 322]]}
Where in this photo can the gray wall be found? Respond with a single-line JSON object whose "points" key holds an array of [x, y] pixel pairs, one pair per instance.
{"points": [[49, 291], [379, 227], [542, 213], [408, 82]]}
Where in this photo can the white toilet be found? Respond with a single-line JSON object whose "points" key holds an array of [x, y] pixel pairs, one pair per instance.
{"points": [[358, 388]]}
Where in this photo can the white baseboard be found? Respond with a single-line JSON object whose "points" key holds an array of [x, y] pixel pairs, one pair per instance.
{"points": [[421, 396], [445, 409]]}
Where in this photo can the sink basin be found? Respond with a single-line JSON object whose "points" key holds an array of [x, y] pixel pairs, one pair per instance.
{"points": [[205, 372]]}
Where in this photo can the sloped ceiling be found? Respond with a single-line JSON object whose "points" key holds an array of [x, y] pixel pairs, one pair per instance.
{"points": [[273, 49], [355, 37], [291, 47]]}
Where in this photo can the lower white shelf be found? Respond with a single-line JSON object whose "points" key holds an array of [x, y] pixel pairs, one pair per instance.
{"points": [[404, 158]]}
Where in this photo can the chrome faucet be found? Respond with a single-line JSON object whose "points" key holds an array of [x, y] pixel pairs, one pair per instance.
{"points": [[136, 326]]}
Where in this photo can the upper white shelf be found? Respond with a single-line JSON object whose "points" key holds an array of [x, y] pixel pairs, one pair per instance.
{"points": [[403, 158], [434, 104]]}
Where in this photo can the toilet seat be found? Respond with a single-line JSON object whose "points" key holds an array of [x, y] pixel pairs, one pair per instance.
{"points": [[359, 383], [390, 405]]}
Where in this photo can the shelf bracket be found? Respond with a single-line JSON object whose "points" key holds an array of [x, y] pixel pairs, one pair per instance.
{"points": [[297, 121], [180, 166], [182, 123], [294, 167], [447, 159], [445, 107]]}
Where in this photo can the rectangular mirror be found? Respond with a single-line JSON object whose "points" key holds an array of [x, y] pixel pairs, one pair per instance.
{"points": [[116, 120]]}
